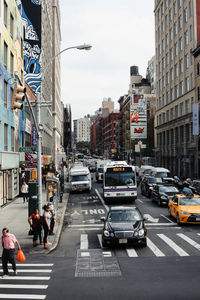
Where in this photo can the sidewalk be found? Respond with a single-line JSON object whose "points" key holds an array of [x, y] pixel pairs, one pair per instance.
{"points": [[15, 217]]}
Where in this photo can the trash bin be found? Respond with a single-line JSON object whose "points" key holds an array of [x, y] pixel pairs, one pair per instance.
{"points": [[32, 187], [32, 205]]}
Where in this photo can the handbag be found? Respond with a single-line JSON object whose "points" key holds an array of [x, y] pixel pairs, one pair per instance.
{"points": [[30, 231], [20, 256]]}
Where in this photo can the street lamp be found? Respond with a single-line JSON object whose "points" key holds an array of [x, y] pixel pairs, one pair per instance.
{"points": [[38, 106]]}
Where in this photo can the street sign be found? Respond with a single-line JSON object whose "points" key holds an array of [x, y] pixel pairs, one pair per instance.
{"points": [[27, 149]]}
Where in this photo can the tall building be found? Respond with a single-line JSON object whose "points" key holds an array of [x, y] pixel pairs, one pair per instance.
{"points": [[151, 74], [12, 125], [67, 130], [177, 30], [82, 130]]}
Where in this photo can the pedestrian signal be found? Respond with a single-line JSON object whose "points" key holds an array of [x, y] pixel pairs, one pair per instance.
{"points": [[18, 95]]}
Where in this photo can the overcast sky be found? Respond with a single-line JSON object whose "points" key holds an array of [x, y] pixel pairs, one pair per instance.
{"points": [[121, 33]]}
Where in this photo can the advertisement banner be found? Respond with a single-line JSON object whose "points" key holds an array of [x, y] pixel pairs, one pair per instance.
{"points": [[195, 119], [138, 117]]}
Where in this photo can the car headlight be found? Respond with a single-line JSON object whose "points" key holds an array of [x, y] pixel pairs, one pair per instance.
{"points": [[106, 233], [185, 213], [150, 188], [141, 232]]}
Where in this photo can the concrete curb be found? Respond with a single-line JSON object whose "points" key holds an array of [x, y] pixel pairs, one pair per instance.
{"points": [[58, 232]]}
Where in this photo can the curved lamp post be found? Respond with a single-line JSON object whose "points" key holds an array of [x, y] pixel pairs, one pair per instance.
{"points": [[40, 126]]}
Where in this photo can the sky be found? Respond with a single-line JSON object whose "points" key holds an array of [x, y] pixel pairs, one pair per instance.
{"points": [[121, 33]]}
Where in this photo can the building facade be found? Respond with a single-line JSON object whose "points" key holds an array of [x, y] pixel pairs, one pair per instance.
{"points": [[176, 31], [110, 140], [12, 125], [82, 130]]}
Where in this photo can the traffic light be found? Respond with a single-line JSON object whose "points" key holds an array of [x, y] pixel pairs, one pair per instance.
{"points": [[18, 95]]}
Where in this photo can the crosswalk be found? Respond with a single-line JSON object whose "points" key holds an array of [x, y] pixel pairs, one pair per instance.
{"points": [[36, 273], [158, 245]]}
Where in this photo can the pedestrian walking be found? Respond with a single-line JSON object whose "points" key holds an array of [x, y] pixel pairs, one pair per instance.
{"points": [[35, 223], [52, 211], [24, 191], [46, 224], [8, 241]]}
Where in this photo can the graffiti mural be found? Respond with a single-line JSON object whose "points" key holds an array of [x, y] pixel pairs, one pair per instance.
{"points": [[31, 16]]}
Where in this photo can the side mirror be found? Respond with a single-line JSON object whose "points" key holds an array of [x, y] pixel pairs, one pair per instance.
{"points": [[103, 219]]}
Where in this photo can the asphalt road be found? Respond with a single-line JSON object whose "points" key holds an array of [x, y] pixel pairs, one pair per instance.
{"points": [[168, 268]]}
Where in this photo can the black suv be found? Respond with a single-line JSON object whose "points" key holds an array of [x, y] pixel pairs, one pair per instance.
{"points": [[147, 184], [162, 193]]}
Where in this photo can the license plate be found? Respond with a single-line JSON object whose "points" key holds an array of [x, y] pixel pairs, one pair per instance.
{"points": [[123, 241], [197, 219]]}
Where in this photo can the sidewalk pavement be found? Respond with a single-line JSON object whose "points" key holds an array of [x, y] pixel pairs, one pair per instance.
{"points": [[15, 217]]}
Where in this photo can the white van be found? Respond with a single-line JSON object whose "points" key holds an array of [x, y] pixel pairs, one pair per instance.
{"points": [[160, 172], [100, 169], [80, 179], [144, 170]]}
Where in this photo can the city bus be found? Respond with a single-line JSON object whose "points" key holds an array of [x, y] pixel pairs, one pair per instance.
{"points": [[119, 182]]}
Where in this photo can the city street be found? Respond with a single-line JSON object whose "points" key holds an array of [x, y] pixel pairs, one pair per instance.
{"points": [[81, 269]]}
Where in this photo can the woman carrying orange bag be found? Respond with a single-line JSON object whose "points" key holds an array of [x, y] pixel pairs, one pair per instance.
{"points": [[8, 241]]}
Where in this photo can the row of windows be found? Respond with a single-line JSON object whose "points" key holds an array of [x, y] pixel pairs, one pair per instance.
{"points": [[178, 67], [6, 19], [179, 134], [188, 37], [173, 10], [175, 112]]}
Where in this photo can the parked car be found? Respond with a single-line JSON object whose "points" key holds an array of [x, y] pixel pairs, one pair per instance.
{"points": [[124, 225], [185, 207], [195, 186], [147, 184], [162, 193]]}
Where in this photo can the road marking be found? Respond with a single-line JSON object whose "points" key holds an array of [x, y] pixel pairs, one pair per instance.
{"points": [[31, 265], [107, 254], [86, 225], [102, 201], [25, 278], [167, 219], [23, 286], [131, 253], [21, 296], [100, 240], [149, 227], [161, 224], [140, 201], [30, 271], [85, 254], [154, 248], [189, 240], [150, 218], [173, 245], [84, 242]]}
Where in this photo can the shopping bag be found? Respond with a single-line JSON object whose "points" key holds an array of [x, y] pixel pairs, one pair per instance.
{"points": [[20, 256], [30, 231]]}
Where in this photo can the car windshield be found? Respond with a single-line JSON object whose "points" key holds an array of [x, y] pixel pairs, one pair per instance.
{"points": [[162, 174], [124, 216], [147, 171], [79, 178], [189, 201], [119, 179], [154, 180], [168, 189]]}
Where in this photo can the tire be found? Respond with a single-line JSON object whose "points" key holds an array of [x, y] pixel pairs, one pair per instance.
{"points": [[178, 220]]}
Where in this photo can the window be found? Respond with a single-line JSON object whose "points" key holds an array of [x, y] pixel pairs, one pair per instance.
{"points": [[166, 40], [179, 3], [176, 91], [11, 63], [167, 116], [175, 70], [181, 44], [171, 74], [163, 45], [190, 9], [163, 63], [166, 21], [12, 139], [170, 15], [174, 8], [187, 106], [170, 34], [5, 14], [176, 111], [187, 84], [162, 9], [191, 57], [5, 55], [181, 88], [167, 97], [171, 94], [186, 38], [191, 33], [163, 117], [198, 92], [175, 49], [181, 66], [163, 100], [186, 61], [5, 137], [5, 94], [167, 59], [185, 15], [11, 93], [187, 132], [181, 109], [180, 22], [191, 81], [11, 25], [175, 28], [171, 54], [172, 113], [167, 78]]}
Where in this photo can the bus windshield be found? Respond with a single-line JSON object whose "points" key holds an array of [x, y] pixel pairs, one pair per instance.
{"points": [[120, 178]]}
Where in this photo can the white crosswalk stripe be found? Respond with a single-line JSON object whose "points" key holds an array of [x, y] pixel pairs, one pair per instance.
{"points": [[173, 245], [189, 240], [84, 242], [131, 253], [154, 248], [21, 282]]}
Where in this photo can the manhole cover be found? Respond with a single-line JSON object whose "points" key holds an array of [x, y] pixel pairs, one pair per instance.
{"points": [[96, 263]]}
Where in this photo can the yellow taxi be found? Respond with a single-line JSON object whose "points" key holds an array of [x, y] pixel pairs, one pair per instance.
{"points": [[185, 207]]}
